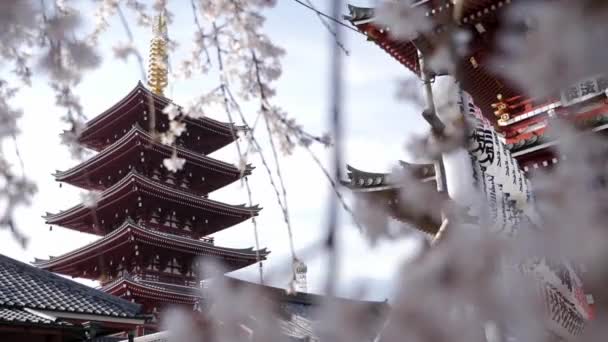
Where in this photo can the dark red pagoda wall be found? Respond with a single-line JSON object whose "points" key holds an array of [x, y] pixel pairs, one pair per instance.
{"points": [[150, 164], [147, 262], [156, 213], [183, 221], [189, 178], [537, 160]]}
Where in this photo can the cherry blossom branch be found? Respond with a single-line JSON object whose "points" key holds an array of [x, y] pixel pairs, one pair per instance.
{"points": [[142, 70], [201, 33], [226, 102], [270, 177], [334, 187], [273, 148], [326, 24]]}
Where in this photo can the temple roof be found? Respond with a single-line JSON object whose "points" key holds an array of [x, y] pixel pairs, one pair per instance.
{"points": [[297, 312], [155, 291], [136, 184], [133, 234], [477, 78], [135, 103], [138, 140], [303, 298], [296, 315], [19, 315], [26, 287], [359, 180]]}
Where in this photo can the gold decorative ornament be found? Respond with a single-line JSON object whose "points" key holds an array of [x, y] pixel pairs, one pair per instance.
{"points": [[157, 67], [501, 109]]}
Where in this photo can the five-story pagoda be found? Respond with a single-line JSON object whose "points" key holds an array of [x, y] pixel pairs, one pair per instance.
{"points": [[153, 222]]}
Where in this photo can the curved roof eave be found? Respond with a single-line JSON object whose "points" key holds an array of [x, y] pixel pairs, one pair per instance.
{"points": [[211, 205], [131, 228], [126, 141], [205, 122]]}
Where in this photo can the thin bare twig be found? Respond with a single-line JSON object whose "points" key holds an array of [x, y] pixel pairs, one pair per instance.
{"points": [[275, 155], [274, 186], [325, 23], [332, 18], [142, 71], [335, 188], [226, 102], [264, 110], [200, 31]]}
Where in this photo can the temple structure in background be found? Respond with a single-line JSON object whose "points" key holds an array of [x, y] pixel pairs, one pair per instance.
{"points": [[518, 135], [524, 120], [153, 222], [520, 119], [153, 219], [376, 187]]}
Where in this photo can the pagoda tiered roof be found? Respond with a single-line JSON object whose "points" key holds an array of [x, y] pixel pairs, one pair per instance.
{"points": [[137, 149], [134, 193], [479, 18], [132, 239], [154, 218], [153, 293], [203, 135]]}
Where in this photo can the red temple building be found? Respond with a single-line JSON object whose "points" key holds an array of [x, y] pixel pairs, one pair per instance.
{"points": [[521, 120], [153, 222]]}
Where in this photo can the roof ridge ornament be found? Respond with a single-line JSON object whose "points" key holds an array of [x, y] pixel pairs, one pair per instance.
{"points": [[501, 109], [159, 58]]}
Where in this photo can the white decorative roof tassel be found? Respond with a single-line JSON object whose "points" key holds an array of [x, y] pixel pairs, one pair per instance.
{"points": [[300, 270]]}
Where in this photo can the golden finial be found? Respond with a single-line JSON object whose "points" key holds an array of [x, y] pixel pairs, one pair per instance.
{"points": [[157, 67], [501, 108]]}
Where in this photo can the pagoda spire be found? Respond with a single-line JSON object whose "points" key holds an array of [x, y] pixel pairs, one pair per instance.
{"points": [[157, 67]]}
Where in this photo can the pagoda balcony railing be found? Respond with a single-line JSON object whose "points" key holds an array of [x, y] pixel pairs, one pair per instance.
{"points": [[167, 279]]}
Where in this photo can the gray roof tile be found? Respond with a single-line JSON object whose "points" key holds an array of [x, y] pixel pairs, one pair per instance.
{"points": [[25, 286], [17, 315]]}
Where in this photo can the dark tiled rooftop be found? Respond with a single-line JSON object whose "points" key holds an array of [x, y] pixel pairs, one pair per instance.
{"points": [[21, 316], [25, 286]]}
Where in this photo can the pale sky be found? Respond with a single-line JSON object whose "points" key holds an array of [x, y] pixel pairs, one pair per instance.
{"points": [[377, 126]]}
